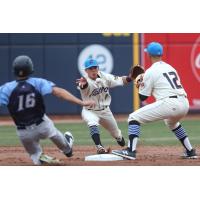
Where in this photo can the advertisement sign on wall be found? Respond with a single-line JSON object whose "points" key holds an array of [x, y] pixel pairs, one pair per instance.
{"points": [[182, 51]]}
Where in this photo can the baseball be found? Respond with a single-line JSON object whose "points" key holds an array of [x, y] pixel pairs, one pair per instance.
{"points": [[98, 80]]}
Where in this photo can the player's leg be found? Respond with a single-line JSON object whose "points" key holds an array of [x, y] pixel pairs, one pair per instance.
{"points": [[108, 121], [180, 133], [180, 107], [31, 145], [64, 141], [92, 121], [133, 134], [149, 113]]}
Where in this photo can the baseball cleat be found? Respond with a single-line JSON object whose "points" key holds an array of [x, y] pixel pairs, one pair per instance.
{"points": [[121, 141], [70, 139], [45, 159], [125, 153], [190, 154], [101, 150]]}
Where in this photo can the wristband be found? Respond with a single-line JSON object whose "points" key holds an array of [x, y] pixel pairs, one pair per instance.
{"points": [[128, 79]]}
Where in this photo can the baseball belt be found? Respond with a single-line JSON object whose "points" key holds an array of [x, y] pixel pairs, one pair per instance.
{"points": [[22, 127], [99, 109]]}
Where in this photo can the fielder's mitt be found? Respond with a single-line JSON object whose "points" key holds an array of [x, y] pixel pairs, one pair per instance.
{"points": [[135, 71]]}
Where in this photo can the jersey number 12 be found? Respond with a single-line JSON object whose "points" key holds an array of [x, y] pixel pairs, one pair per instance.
{"points": [[172, 78], [26, 101]]}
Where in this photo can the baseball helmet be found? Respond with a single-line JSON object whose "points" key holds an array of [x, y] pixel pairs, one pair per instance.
{"points": [[90, 63], [22, 66], [154, 49]]}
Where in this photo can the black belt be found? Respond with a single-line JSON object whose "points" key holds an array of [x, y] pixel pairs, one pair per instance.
{"points": [[175, 96], [99, 109], [22, 127]]}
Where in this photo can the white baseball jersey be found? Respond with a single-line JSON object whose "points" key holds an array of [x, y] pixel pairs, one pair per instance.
{"points": [[161, 80], [98, 90]]}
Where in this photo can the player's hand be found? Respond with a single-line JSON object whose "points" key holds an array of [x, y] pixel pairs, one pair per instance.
{"points": [[81, 82], [89, 103], [138, 80]]}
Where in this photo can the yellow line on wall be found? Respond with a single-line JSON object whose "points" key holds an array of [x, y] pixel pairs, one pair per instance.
{"points": [[136, 60]]}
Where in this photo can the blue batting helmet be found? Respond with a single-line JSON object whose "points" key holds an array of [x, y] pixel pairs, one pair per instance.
{"points": [[90, 63], [154, 49]]}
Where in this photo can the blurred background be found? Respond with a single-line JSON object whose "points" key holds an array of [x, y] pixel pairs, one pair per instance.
{"points": [[60, 57]]}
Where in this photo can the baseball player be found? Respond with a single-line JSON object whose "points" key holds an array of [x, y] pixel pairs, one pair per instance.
{"points": [[24, 99], [162, 81], [95, 86]]}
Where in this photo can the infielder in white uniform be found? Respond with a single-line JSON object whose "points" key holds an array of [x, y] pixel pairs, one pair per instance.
{"points": [[95, 86], [162, 81], [24, 99]]}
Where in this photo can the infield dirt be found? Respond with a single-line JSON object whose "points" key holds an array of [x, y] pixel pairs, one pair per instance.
{"points": [[147, 156]]}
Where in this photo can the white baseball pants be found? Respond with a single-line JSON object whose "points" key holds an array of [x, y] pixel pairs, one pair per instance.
{"points": [[171, 110], [104, 118]]}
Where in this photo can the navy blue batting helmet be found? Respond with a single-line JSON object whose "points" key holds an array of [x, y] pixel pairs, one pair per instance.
{"points": [[23, 66]]}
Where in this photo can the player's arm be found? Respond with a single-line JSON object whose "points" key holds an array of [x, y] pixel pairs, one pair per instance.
{"points": [[134, 72], [126, 79], [114, 81], [64, 94], [82, 83], [5, 91], [145, 85], [139, 81], [47, 87], [120, 80]]}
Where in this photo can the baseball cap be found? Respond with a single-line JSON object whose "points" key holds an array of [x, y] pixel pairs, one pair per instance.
{"points": [[90, 63], [154, 49]]}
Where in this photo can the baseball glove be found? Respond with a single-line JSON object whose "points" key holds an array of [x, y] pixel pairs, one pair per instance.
{"points": [[135, 71]]}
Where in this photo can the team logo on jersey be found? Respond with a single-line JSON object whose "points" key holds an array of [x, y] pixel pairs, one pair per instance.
{"points": [[97, 91], [195, 59], [99, 53]]}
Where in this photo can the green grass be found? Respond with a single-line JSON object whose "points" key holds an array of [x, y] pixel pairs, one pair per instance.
{"points": [[152, 134]]}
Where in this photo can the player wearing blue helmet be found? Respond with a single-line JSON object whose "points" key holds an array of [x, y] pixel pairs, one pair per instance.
{"points": [[161, 80], [95, 85]]}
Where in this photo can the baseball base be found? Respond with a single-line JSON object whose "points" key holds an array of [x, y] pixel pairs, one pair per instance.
{"points": [[103, 157]]}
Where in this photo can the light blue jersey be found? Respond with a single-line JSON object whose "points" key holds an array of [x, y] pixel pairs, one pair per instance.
{"points": [[43, 86]]}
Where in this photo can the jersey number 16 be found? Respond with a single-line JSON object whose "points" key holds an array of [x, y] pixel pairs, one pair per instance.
{"points": [[26, 101], [172, 78]]}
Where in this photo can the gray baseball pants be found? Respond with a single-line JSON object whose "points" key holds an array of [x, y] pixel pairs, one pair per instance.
{"points": [[31, 136]]}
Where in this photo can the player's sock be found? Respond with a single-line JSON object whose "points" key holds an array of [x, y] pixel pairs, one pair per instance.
{"points": [[182, 136], [134, 133], [186, 143], [132, 143], [94, 132]]}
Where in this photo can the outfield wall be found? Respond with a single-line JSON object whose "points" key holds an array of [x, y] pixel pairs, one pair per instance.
{"points": [[55, 57], [59, 57], [181, 50]]}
